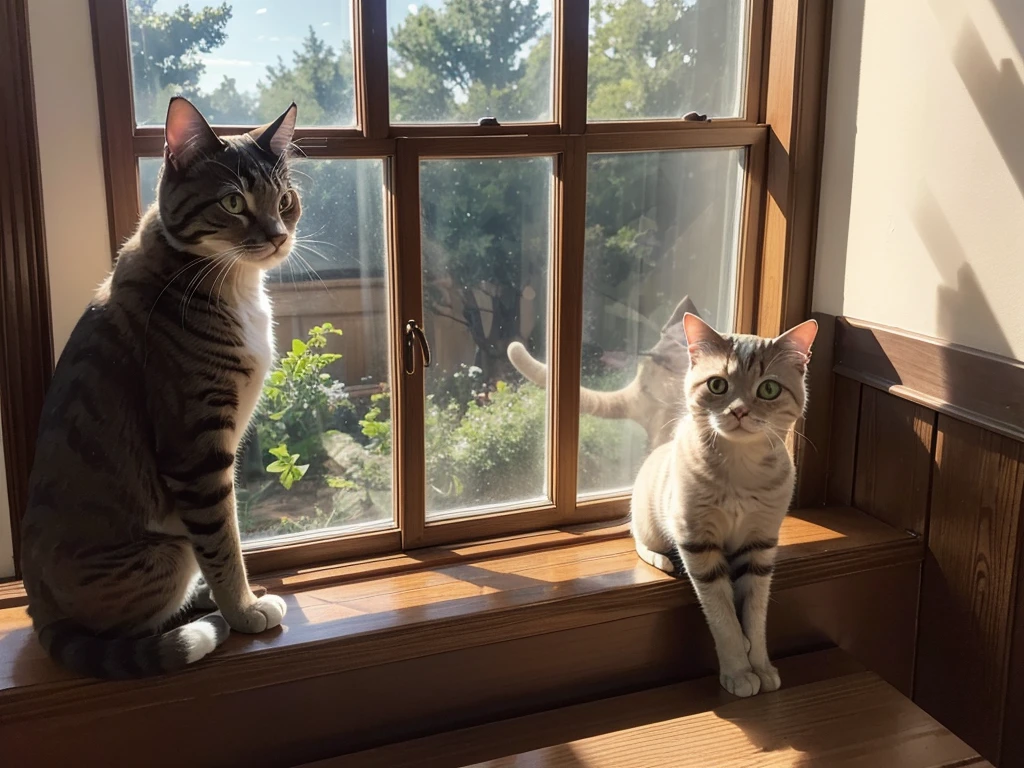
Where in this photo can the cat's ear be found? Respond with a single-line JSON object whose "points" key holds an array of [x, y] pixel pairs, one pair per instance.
{"points": [[700, 335], [187, 135], [799, 338], [684, 306], [275, 137]]}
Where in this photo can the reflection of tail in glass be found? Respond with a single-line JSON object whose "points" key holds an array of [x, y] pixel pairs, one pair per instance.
{"points": [[652, 398]]}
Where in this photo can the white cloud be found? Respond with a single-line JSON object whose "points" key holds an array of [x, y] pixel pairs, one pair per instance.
{"points": [[413, 10], [326, 24], [260, 11]]}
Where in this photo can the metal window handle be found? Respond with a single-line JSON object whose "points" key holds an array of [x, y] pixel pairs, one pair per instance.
{"points": [[414, 334]]}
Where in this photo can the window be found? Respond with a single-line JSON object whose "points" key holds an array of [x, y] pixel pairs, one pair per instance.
{"points": [[519, 174]]}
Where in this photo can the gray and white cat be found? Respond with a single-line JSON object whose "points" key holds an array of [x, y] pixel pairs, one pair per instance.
{"points": [[132, 491], [715, 496]]}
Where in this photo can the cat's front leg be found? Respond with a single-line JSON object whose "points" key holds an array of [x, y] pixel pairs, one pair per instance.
{"points": [[207, 510], [752, 566], [708, 570]]}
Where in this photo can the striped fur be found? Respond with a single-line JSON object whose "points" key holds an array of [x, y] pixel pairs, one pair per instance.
{"points": [[711, 501], [132, 489], [650, 398]]}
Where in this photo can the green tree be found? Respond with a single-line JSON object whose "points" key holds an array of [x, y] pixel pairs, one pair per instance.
{"points": [[318, 80], [468, 60], [166, 50]]}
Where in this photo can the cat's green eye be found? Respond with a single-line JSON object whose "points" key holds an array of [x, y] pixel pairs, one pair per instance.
{"points": [[769, 389], [233, 203], [287, 200], [718, 385]]}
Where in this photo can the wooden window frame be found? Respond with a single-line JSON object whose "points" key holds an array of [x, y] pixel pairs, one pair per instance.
{"points": [[786, 48]]}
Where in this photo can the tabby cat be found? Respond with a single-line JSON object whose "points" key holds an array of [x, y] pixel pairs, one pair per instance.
{"points": [[715, 496], [131, 523], [649, 399]]}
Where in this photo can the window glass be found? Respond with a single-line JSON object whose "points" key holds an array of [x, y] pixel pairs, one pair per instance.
{"points": [[243, 62], [486, 245], [455, 61], [660, 226], [664, 58], [319, 449]]}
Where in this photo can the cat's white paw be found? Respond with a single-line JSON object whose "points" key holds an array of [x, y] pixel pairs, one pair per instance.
{"points": [[743, 683], [769, 676], [264, 613]]}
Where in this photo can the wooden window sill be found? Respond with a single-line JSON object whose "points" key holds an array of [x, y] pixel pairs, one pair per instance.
{"points": [[435, 601]]}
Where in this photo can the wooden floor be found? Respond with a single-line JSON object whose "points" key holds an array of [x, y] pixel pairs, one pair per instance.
{"points": [[827, 714]]}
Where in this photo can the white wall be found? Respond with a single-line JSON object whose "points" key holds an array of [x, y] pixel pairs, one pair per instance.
{"points": [[921, 223], [71, 155], [74, 191]]}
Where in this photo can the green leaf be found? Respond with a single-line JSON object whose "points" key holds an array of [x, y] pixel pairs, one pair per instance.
{"points": [[277, 466], [280, 451], [277, 416], [298, 346]]}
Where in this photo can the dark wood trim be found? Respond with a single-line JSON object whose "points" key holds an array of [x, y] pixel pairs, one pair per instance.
{"points": [[977, 387], [572, 54], [797, 57], [112, 53], [370, 19], [704, 136], [26, 360], [816, 426], [566, 327]]}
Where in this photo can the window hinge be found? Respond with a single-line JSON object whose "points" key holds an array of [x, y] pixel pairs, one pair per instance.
{"points": [[696, 117], [490, 122], [413, 335]]}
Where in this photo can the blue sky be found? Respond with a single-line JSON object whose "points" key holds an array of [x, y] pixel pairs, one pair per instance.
{"points": [[262, 30]]}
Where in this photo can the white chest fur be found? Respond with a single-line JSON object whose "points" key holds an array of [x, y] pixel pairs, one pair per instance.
{"points": [[254, 313]]}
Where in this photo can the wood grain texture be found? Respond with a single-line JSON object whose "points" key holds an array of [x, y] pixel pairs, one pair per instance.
{"points": [[117, 117], [842, 449], [26, 357], [973, 386], [565, 335], [371, 65], [829, 715], [798, 44], [969, 582], [572, 51], [508, 676], [813, 449], [334, 629], [894, 460], [1013, 714]]}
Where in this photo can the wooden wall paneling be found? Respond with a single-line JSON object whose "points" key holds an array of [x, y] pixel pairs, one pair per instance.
{"points": [[969, 384], [1013, 714], [894, 460], [26, 359], [969, 582], [323, 716], [816, 425], [842, 449]]}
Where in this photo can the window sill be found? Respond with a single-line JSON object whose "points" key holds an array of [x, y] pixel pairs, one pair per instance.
{"points": [[435, 601]]}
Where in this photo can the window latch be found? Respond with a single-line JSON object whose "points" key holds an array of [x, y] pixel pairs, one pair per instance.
{"points": [[413, 335], [696, 117], [488, 122]]}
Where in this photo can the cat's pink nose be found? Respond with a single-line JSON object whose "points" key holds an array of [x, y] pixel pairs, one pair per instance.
{"points": [[740, 411], [278, 239]]}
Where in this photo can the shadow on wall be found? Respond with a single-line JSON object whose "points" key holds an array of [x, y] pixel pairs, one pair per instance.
{"points": [[837, 169], [963, 310], [997, 90]]}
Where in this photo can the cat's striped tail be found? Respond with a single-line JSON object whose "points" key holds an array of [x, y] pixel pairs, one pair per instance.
{"points": [[87, 654]]}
